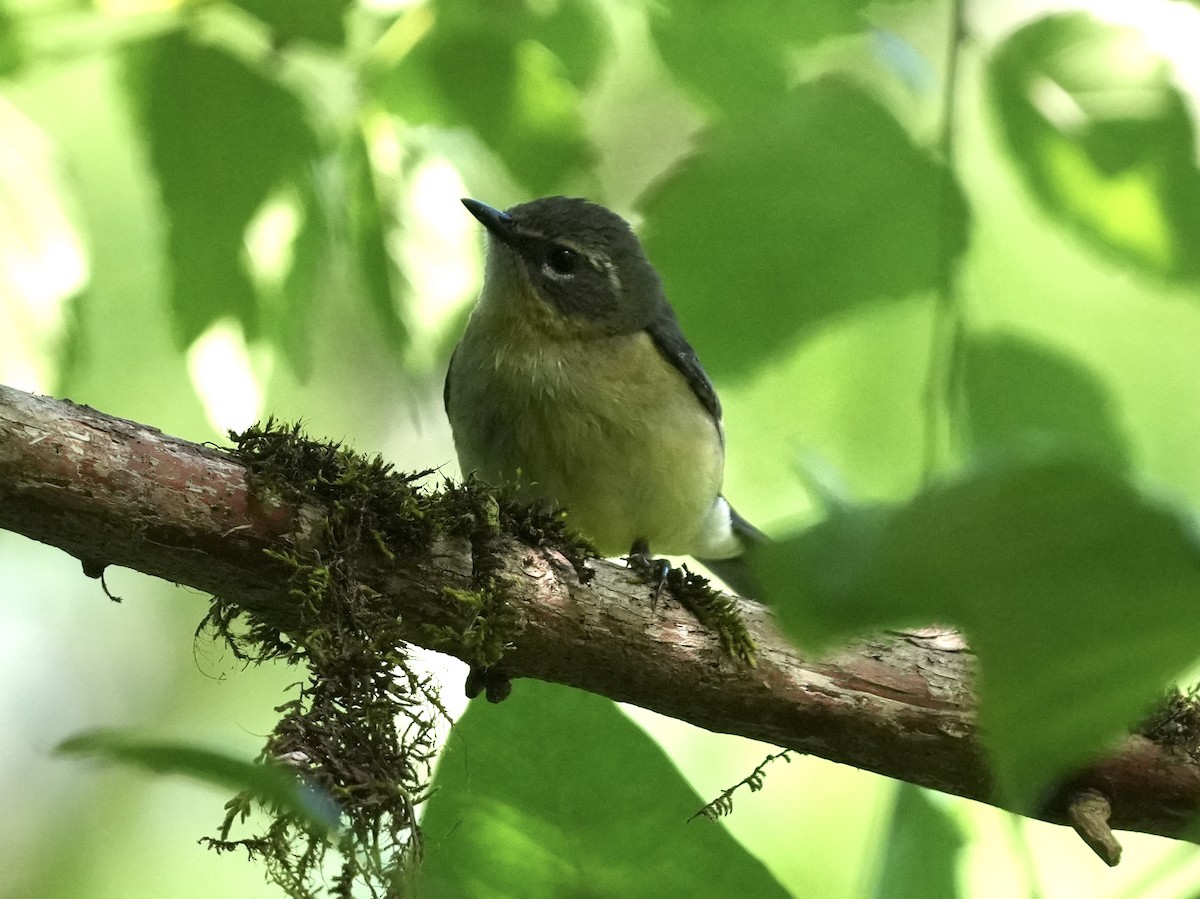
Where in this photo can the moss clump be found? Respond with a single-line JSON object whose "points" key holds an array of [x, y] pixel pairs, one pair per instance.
{"points": [[362, 728], [491, 624], [481, 513], [1176, 721]]}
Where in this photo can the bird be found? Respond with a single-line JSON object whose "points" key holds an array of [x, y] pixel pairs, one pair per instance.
{"points": [[574, 381]]}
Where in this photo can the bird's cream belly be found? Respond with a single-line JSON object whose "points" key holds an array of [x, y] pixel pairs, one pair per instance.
{"points": [[613, 433]]}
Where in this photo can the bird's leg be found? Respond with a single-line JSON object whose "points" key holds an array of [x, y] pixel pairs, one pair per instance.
{"points": [[655, 571]]}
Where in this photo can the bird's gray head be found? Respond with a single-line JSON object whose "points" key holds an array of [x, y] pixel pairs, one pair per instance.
{"points": [[568, 266]]}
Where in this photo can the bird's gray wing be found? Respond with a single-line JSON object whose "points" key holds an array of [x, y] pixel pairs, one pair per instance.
{"points": [[446, 385], [667, 336]]}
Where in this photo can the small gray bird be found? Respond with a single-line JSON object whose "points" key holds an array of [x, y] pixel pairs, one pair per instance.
{"points": [[574, 380]]}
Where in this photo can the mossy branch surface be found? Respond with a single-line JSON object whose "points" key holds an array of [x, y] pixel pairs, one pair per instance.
{"points": [[362, 727]]}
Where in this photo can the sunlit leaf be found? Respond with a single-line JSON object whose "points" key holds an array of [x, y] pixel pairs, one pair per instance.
{"points": [[319, 21], [904, 60], [737, 54], [44, 267], [921, 849], [1103, 138], [491, 66], [1077, 593], [1022, 394], [274, 785], [805, 210], [555, 793], [221, 136]]}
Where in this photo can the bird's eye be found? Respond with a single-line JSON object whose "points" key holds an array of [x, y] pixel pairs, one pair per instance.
{"points": [[563, 261]]}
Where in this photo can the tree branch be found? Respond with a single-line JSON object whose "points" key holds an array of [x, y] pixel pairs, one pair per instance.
{"points": [[112, 492]]}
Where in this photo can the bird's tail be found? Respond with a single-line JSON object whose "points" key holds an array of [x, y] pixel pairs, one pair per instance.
{"points": [[735, 571]]}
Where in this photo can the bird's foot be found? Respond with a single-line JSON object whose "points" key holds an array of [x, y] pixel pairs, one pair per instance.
{"points": [[493, 682], [654, 571]]}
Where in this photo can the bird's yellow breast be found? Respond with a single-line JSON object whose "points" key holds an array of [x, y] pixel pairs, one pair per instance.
{"points": [[606, 427]]}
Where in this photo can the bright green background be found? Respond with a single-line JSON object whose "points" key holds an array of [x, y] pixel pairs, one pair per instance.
{"points": [[216, 210]]}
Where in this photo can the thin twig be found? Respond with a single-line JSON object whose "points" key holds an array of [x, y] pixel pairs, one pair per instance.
{"points": [[1088, 812]]}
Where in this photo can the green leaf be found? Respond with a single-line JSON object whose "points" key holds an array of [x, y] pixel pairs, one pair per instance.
{"points": [[921, 849], [319, 21], [808, 209], [381, 280], [738, 55], [12, 43], [222, 136], [273, 785], [1103, 138], [555, 793], [1023, 393], [304, 285], [491, 66], [1077, 593], [576, 32]]}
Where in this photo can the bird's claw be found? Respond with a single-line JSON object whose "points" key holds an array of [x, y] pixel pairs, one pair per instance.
{"points": [[654, 571]]}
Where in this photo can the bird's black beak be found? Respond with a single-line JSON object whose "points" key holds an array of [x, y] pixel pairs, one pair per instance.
{"points": [[499, 224]]}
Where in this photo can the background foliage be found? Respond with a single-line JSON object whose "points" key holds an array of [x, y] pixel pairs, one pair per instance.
{"points": [[940, 258]]}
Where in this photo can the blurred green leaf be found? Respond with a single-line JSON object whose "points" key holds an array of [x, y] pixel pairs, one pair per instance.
{"points": [[222, 136], [576, 32], [274, 785], [556, 793], [904, 60], [1023, 393], [319, 21], [1103, 138], [1077, 593], [738, 55], [304, 284], [491, 66], [12, 45], [921, 849], [368, 234], [807, 209]]}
